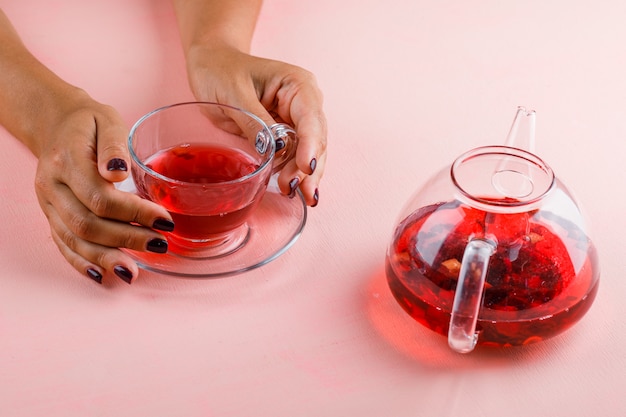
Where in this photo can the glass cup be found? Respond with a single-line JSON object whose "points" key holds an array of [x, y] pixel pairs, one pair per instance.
{"points": [[209, 165]]}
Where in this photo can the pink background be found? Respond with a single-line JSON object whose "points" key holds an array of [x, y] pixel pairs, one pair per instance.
{"points": [[409, 85]]}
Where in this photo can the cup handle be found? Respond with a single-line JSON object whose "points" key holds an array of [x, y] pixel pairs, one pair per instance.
{"points": [[286, 144], [462, 336]]}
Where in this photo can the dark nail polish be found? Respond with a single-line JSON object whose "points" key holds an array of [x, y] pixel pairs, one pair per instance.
{"points": [[163, 224], [293, 185], [123, 273], [313, 165], [279, 144], [117, 164], [95, 275], [316, 197], [157, 245]]}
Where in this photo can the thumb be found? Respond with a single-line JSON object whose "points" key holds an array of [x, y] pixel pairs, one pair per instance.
{"points": [[112, 149], [251, 104], [286, 143]]}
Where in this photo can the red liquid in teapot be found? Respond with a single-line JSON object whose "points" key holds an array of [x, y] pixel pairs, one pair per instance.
{"points": [[541, 280], [201, 164]]}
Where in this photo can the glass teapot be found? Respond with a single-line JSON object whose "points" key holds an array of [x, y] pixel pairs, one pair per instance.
{"points": [[494, 249]]}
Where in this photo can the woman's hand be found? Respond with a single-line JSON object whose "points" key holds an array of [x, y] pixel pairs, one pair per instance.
{"points": [[81, 153], [81, 149], [274, 91]]}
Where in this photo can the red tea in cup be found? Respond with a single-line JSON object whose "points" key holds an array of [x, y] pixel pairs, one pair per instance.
{"points": [[204, 164]]}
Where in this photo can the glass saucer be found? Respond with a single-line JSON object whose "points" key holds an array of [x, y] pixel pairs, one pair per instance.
{"points": [[274, 227]]}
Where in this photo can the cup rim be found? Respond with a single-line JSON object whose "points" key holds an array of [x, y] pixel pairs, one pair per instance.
{"points": [[150, 171]]}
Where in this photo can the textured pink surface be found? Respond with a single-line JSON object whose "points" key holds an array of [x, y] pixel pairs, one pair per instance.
{"points": [[409, 85]]}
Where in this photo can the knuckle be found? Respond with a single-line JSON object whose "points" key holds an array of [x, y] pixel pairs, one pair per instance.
{"points": [[48, 169], [108, 110], [131, 241], [81, 226], [320, 118], [114, 148], [106, 258], [98, 204], [301, 80], [69, 252], [135, 214], [69, 239], [42, 183]]}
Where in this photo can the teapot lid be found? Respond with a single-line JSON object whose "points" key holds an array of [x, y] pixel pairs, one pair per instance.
{"points": [[501, 176]]}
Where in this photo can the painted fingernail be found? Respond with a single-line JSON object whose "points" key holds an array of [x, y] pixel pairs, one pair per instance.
{"points": [[123, 273], [95, 275], [316, 197], [117, 164], [163, 224], [293, 186], [313, 165], [157, 245], [279, 144]]}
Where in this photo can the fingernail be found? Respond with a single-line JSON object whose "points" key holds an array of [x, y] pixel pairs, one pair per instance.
{"points": [[123, 273], [313, 165], [316, 197], [279, 144], [163, 224], [117, 164], [157, 245], [293, 185], [95, 275]]}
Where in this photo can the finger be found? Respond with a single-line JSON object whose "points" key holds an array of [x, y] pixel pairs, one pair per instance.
{"points": [[248, 101], [101, 198], [296, 99], [243, 95], [309, 185], [95, 272], [85, 225], [112, 148], [291, 178], [310, 122], [78, 262], [311, 193], [310, 153], [91, 259], [94, 188], [306, 113]]}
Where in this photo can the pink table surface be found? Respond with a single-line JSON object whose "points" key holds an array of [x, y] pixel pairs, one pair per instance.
{"points": [[408, 86]]}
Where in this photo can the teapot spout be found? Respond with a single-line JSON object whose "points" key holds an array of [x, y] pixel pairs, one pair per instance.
{"points": [[510, 179], [522, 132]]}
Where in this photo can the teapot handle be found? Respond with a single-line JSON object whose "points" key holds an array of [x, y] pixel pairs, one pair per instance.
{"points": [[462, 336]]}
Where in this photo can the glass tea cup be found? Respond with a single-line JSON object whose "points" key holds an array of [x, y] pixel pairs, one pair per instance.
{"points": [[209, 165]]}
